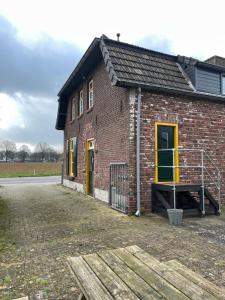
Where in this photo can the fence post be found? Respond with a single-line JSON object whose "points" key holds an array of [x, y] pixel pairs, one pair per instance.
{"points": [[174, 179], [62, 169], [219, 192], [203, 183]]}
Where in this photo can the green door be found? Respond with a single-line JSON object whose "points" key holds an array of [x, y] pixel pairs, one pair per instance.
{"points": [[165, 136], [91, 172]]}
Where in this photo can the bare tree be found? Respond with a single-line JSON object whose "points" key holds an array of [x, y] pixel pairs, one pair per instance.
{"points": [[23, 153], [8, 148], [42, 149]]}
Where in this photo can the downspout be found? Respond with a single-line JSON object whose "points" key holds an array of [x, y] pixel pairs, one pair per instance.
{"points": [[138, 212]]}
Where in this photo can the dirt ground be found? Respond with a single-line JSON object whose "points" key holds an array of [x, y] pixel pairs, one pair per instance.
{"points": [[41, 225]]}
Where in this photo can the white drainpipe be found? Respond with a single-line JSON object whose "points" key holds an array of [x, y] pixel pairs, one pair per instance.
{"points": [[138, 212]]}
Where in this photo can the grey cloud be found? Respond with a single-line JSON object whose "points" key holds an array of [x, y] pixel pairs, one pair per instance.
{"points": [[156, 43], [38, 69], [39, 124]]}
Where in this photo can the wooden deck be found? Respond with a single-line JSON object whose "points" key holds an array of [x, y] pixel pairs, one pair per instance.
{"points": [[131, 273]]}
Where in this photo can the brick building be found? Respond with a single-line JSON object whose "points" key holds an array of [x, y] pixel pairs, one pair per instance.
{"points": [[139, 123]]}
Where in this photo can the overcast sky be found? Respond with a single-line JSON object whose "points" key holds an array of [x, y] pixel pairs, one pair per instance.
{"points": [[41, 41]]}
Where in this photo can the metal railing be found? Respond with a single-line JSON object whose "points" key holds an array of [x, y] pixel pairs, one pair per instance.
{"points": [[118, 189], [205, 165]]}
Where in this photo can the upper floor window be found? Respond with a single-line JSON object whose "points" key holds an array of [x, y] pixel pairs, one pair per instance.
{"points": [[73, 109], [223, 84], [81, 102], [90, 94]]}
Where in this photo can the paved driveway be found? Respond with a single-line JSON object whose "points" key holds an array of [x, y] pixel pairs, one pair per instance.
{"points": [[41, 225], [30, 180]]}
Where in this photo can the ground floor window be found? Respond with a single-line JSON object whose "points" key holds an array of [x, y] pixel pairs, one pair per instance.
{"points": [[72, 157]]}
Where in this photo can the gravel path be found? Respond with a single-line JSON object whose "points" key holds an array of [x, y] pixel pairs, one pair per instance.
{"points": [[41, 225]]}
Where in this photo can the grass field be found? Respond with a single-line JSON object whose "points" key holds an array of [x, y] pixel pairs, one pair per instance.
{"points": [[29, 169]]}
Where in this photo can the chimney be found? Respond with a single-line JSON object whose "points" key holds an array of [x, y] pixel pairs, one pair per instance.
{"points": [[118, 37], [216, 60]]}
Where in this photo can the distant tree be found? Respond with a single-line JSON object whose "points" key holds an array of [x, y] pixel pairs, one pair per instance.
{"points": [[2, 155], [23, 153], [42, 149], [35, 156], [8, 148], [54, 155]]}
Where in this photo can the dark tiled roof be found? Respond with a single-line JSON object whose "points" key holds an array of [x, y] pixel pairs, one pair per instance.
{"points": [[140, 66], [130, 65]]}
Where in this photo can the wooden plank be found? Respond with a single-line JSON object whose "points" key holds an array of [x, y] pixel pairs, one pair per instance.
{"points": [[189, 288], [163, 287], [197, 279], [90, 285], [23, 298], [135, 249], [143, 290], [112, 282]]}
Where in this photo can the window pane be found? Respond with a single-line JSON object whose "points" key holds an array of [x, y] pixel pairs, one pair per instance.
{"points": [[81, 103], [81, 107], [90, 98], [73, 109], [223, 85]]}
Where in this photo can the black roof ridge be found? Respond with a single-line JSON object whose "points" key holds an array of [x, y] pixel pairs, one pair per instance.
{"points": [[139, 48]]}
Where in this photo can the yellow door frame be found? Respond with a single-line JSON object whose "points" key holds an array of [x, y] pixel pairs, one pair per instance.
{"points": [[175, 126], [70, 157], [89, 146]]}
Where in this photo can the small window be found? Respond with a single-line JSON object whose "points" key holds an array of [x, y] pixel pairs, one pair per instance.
{"points": [[223, 84], [81, 103], [72, 109], [90, 94]]}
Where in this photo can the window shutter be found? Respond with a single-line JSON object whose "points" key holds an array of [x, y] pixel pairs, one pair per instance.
{"points": [[67, 157], [75, 156]]}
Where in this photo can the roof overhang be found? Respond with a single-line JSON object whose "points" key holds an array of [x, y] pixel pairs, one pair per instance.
{"points": [[87, 63], [175, 91]]}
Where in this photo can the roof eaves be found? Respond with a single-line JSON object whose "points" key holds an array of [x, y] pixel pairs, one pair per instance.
{"points": [[211, 66], [155, 87], [75, 71]]}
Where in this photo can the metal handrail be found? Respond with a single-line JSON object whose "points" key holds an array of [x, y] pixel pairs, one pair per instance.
{"points": [[214, 182], [201, 166], [212, 162]]}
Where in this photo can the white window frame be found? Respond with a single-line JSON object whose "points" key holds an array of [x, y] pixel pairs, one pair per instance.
{"points": [[73, 109], [223, 84], [90, 94], [81, 102]]}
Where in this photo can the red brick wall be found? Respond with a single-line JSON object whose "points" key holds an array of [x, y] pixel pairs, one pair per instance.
{"points": [[201, 124], [107, 123]]}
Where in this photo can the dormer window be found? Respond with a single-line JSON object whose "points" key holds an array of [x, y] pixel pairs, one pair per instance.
{"points": [[223, 84], [90, 94], [81, 103]]}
